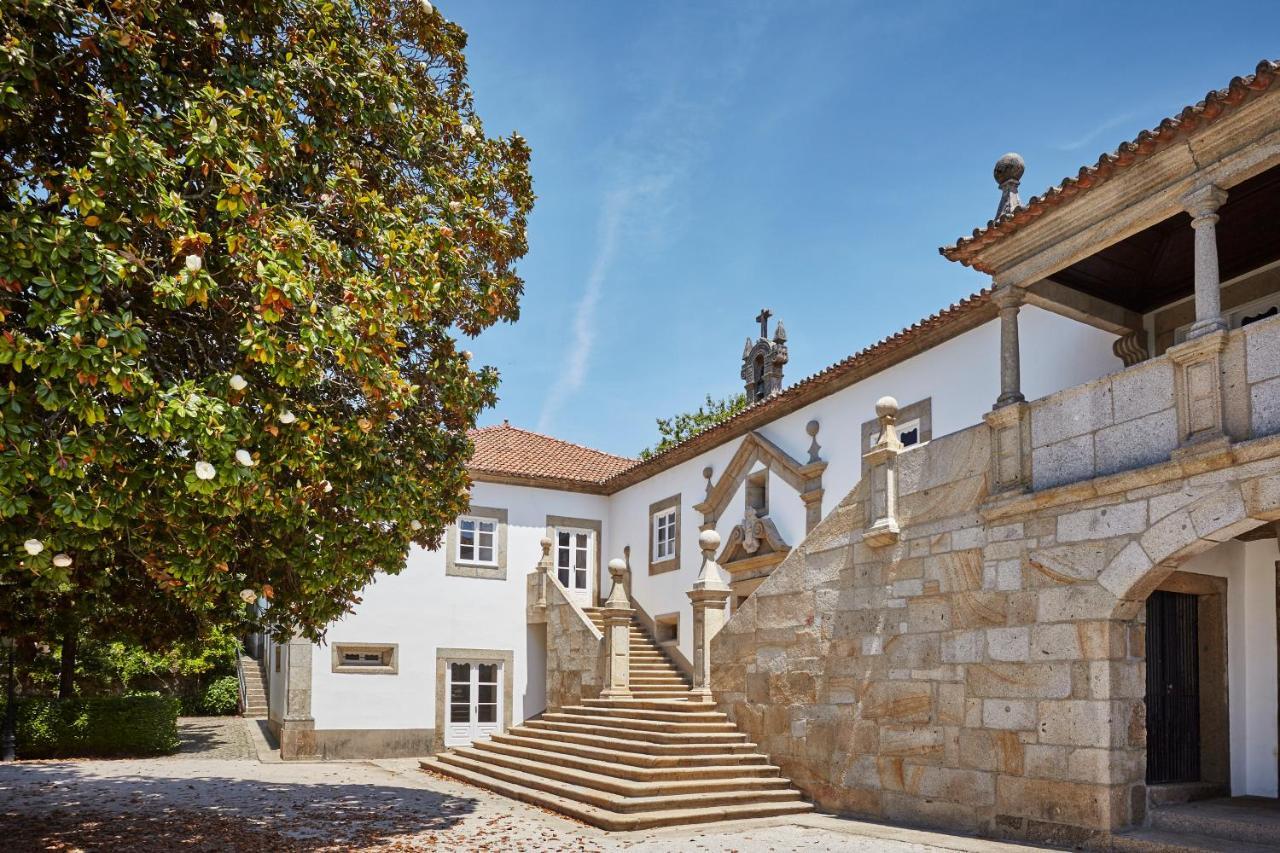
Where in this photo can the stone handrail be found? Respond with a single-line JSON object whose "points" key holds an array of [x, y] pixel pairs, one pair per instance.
{"points": [[575, 646]]}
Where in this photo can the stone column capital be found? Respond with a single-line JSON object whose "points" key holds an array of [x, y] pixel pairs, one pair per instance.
{"points": [[1008, 297], [1203, 203]]}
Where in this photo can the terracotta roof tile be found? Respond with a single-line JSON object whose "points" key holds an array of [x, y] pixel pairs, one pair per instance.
{"points": [[506, 451], [1215, 105]]}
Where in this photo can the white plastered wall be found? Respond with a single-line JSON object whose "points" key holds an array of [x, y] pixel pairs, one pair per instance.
{"points": [[1250, 570], [421, 609]]}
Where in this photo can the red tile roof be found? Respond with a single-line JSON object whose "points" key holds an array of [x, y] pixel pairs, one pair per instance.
{"points": [[509, 453], [1215, 105]]}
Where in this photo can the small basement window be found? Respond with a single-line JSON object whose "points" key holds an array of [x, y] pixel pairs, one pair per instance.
{"points": [[365, 657], [667, 628]]}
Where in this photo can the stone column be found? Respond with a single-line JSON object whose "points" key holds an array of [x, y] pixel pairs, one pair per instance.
{"points": [[882, 469], [709, 596], [297, 732], [1203, 206], [1009, 299], [617, 634]]}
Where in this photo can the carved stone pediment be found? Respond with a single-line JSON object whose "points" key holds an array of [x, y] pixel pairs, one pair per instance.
{"points": [[753, 544]]}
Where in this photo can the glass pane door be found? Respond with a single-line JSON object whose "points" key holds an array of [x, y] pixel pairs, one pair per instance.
{"points": [[474, 701], [575, 550]]}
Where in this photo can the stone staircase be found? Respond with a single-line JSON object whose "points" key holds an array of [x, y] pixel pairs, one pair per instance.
{"points": [[255, 681], [661, 757]]}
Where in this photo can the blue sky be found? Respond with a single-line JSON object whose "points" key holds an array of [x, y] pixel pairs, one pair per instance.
{"points": [[696, 161]]}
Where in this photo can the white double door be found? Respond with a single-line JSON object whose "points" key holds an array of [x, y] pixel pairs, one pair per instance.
{"points": [[575, 562], [475, 701]]}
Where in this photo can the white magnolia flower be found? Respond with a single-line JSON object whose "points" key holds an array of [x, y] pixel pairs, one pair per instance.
{"points": [[217, 20], [415, 525], [244, 458], [466, 354], [62, 561], [248, 596], [205, 471], [468, 130], [287, 417], [33, 546], [455, 206], [194, 262], [427, 7], [238, 383], [328, 487]]}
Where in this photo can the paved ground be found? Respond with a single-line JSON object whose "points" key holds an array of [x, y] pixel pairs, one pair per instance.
{"points": [[215, 795]]}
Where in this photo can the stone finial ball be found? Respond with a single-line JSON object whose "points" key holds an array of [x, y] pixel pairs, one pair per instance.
{"points": [[545, 542], [886, 407], [707, 472], [617, 564], [708, 540], [1009, 168], [811, 428]]}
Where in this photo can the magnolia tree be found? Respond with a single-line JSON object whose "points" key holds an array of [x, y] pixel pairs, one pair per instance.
{"points": [[238, 244]]}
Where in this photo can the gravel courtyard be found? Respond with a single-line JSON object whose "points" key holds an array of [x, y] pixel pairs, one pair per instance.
{"points": [[215, 795]]}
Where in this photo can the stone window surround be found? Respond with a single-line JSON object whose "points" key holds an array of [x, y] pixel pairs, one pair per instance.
{"points": [[670, 564], [391, 652], [920, 410], [456, 568], [596, 526], [506, 657]]}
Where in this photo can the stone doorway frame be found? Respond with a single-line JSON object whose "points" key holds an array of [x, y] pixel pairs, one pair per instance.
{"points": [[1215, 719]]}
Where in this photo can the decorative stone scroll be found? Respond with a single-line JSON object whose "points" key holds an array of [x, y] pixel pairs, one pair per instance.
{"points": [[617, 634], [751, 552], [1131, 348], [881, 464]]}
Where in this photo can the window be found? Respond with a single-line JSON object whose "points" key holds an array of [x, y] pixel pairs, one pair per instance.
{"points": [[277, 657], [366, 657], [664, 535], [476, 544], [758, 492], [667, 628], [477, 541]]}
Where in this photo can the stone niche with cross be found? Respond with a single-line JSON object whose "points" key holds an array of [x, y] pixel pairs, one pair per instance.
{"points": [[763, 360]]}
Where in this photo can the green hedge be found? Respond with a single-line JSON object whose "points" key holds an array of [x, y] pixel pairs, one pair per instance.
{"points": [[222, 697], [107, 726]]}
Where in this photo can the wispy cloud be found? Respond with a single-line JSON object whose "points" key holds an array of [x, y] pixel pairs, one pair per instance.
{"points": [[658, 149], [1092, 135]]}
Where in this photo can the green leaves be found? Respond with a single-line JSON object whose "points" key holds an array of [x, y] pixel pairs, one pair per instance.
{"points": [[296, 192]]}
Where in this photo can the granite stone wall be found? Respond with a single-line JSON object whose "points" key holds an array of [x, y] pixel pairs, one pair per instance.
{"points": [[575, 651], [986, 671]]}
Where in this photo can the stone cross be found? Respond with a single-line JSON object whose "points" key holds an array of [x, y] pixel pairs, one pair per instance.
{"points": [[763, 319]]}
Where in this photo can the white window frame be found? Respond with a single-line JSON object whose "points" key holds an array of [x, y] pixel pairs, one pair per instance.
{"points": [[588, 551], [664, 550], [478, 522]]}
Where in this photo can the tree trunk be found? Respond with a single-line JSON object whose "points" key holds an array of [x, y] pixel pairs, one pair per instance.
{"points": [[70, 640]]}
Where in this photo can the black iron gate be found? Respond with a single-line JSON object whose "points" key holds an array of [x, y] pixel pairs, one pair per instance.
{"points": [[1173, 689]]}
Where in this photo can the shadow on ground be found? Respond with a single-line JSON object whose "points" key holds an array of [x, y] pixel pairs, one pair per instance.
{"points": [[56, 806]]}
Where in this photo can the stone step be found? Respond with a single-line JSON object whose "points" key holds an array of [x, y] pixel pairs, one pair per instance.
{"points": [[657, 737], [629, 745], [687, 703], [744, 764], [656, 726], [612, 801], [648, 714], [646, 691], [1252, 820], [627, 782], [1162, 841], [619, 821]]}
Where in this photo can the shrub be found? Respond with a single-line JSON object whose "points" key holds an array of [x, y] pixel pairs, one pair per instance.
{"points": [[107, 726], [221, 697]]}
